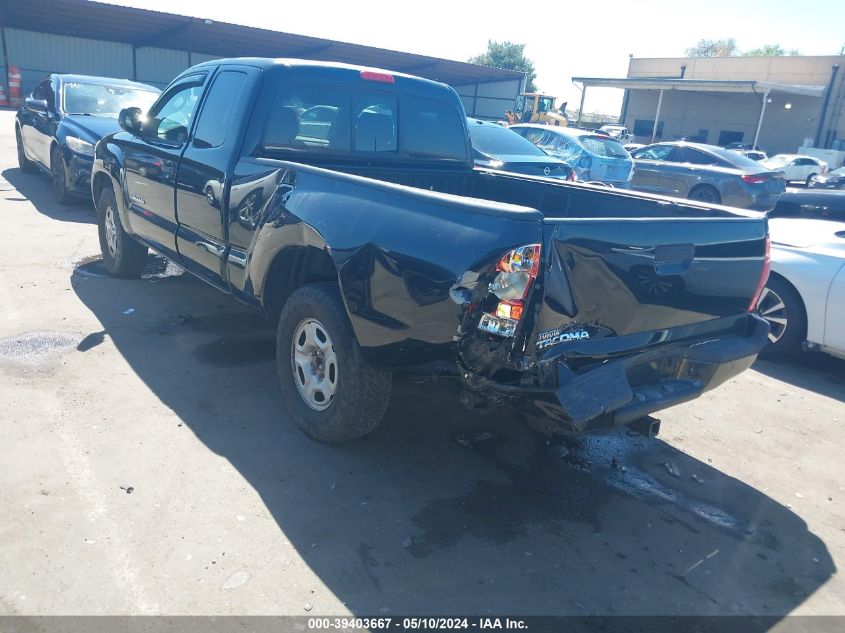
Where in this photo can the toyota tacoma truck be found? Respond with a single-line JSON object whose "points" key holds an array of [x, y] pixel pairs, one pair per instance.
{"points": [[343, 203]]}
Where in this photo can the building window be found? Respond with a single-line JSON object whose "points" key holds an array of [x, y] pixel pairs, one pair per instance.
{"points": [[644, 127], [726, 136]]}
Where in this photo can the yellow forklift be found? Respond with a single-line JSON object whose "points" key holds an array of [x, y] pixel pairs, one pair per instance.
{"points": [[534, 107]]}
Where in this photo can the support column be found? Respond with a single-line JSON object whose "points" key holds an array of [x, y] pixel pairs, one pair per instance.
{"points": [[581, 107], [760, 120], [657, 117]]}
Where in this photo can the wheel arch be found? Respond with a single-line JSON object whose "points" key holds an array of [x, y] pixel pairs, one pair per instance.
{"points": [[291, 268], [705, 184], [98, 184]]}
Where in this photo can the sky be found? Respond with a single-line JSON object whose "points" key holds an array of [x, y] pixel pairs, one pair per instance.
{"points": [[562, 39]]}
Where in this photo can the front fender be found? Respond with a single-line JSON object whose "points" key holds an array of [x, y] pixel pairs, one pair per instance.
{"points": [[109, 169]]}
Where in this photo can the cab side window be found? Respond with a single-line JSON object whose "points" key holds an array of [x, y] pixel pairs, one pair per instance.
{"points": [[171, 117], [218, 111]]}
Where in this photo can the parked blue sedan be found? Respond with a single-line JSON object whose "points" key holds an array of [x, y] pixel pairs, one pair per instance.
{"points": [[59, 124], [593, 155]]}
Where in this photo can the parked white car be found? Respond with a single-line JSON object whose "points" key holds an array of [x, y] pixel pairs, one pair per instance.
{"points": [[619, 132], [804, 299], [796, 166]]}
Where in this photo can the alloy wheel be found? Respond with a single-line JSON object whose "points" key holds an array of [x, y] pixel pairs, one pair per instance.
{"points": [[773, 309]]}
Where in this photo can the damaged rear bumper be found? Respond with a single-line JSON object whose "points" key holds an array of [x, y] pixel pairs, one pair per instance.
{"points": [[617, 391]]}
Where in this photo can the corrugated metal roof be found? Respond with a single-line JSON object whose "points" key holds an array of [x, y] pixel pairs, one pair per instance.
{"points": [[142, 27]]}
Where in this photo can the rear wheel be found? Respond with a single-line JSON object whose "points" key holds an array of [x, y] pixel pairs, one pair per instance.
{"points": [[57, 168], [24, 163], [331, 392], [781, 306], [810, 179], [122, 255], [705, 193]]}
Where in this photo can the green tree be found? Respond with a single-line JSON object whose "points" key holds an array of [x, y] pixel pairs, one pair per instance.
{"points": [[770, 50], [714, 48], [509, 56]]}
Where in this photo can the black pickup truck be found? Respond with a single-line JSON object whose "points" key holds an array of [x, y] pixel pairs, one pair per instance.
{"points": [[343, 203]]}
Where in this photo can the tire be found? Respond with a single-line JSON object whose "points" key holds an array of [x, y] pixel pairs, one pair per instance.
{"points": [[705, 193], [354, 402], [57, 169], [788, 323], [123, 257], [810, 179], [24, 163]]}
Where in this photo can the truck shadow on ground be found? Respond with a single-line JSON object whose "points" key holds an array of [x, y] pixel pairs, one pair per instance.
{"points": [[813, 371], [411, 521], [37, 189]]}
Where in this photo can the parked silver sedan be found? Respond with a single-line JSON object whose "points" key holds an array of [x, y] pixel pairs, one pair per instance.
{"points": [[706, 173]]}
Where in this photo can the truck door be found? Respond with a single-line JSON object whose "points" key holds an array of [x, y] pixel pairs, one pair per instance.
{"points": [[152, 160], [205, 172]]}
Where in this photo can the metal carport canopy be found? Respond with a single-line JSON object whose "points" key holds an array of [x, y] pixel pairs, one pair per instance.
{"points": [[143, 27], [700, 85], [697, 85]]}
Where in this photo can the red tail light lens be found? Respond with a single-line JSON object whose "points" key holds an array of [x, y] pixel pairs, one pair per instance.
{"points": [[572, 176], [371, 75], [515, 272], [752, 179], [764, 276]]}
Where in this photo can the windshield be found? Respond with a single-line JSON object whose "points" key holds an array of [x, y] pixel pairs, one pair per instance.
{"points": [[103, 100], [601, 146], [495, 140]]}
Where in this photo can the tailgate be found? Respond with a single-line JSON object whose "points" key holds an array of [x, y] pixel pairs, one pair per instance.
{"points": [[614, 277]]}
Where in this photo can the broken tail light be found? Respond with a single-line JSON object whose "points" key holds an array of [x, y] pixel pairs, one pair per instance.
{"points": [[764, 276], [515, 272]]}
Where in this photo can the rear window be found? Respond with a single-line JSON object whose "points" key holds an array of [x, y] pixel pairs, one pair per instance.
{"points": [[333, 119], [430, 128], [735, 159], [602, 146], [495, 140]]}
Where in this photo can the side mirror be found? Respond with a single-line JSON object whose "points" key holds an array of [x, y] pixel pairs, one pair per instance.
{"points": [[130, 119], [36, 105]]}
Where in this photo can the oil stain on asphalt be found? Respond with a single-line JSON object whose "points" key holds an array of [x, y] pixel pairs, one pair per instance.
{"points": [[36, 350]]}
